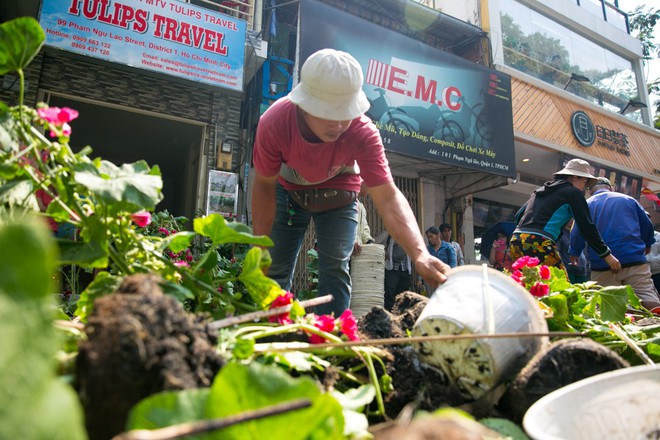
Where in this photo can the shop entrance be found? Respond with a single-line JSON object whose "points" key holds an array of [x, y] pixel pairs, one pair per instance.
{"points": [[123, 135]]}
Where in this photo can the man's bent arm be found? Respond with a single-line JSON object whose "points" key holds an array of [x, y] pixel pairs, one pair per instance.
{"points": [[400, 222], [263, 204]]}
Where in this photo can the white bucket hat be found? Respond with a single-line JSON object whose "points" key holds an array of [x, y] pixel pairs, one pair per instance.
{"points": [[331, 86], [580, 168]]}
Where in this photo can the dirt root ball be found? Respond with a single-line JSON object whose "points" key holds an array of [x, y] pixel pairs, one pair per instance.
{"points": [[139, 342], [561, 364]]}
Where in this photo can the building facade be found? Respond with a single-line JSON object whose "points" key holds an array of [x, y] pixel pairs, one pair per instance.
{"points": [[160, 81]]}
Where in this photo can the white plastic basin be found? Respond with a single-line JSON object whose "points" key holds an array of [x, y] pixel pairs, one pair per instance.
{"points": [[621, 404]]}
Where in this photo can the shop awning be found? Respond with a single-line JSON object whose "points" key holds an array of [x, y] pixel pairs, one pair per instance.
{"points": [[458, 181]]}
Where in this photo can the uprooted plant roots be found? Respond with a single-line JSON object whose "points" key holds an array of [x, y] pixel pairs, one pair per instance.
{"points": [[423, 385], [139, 342]]}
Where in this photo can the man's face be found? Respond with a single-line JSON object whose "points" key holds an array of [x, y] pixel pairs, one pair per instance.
{"points": [[446, 235], [324, 129]]}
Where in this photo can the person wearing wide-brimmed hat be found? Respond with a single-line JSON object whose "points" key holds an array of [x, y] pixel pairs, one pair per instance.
{"points": [[311, 152], [541, 220]]}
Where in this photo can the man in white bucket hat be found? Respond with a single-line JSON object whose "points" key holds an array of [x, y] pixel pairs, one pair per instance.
{"points": [[311, 152], [541, 220]]}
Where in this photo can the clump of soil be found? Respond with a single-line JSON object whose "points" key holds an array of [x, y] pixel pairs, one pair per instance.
{"points": [[413, 381], [139, 342], [560, 364], [407, 307]]}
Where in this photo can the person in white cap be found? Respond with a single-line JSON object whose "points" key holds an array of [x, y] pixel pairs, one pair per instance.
{"points": [[311, 151], [628, 231], [541, 220]]}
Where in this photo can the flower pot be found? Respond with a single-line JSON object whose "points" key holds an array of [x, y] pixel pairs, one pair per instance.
{"points": [[480, 300]]}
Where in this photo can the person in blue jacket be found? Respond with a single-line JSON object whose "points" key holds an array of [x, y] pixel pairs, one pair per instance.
{"points": [[439, 248], [541, 220], [628, 232]]}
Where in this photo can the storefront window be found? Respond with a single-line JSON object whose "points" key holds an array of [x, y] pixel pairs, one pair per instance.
{"points": [[549, 51]]}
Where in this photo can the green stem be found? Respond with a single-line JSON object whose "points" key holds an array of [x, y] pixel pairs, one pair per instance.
{"points": [[118, 261], [21, 93], [374, 380]]}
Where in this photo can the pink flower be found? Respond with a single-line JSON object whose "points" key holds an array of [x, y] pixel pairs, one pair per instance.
{"points": [[181, 263], [348, 325], [282, 300], [57, 116], [324, 323], [525, 261], [164, 231], [544, 272], [539, 290], [142, 218]]}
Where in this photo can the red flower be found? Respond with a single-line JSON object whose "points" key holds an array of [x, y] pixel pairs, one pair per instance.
{"points": [[282, 300], [348, 325], [539, 290], [142, 218], [544, 272], [518, 277], [525, 261], [324, 323]]}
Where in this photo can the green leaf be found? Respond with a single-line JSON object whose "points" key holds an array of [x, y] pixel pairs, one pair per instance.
{"points": [[207, 261], [7, 142], [356, 398], [653, 350], [20, 41], [507, 428], [19, 193], [103, 284], [130, 188], [28, 258], [559, 305], [266, 386], [57, 212], [35, 403], [613, 302], [87, 254], [243, 348], [177, 290], [219, 231], [180, 241], [262, 289], [168, 408]]}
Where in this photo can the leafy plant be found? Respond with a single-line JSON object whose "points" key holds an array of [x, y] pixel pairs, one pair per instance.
{"points": [[589, 309], [109, 206]]}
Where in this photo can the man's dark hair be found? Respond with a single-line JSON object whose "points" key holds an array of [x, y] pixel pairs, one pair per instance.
{"points": [[444, 226]]}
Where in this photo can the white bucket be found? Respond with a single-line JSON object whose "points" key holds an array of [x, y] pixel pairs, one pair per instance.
{"points": [[480, 300], [368, 279], [617, 405]]}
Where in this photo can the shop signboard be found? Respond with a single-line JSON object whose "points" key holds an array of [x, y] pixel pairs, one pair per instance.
{"points": [[222, 193], [164, 36], [427, 103], [621, 182]]}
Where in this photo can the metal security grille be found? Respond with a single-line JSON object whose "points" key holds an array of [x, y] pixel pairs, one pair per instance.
{"points": [[409, 188]]}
